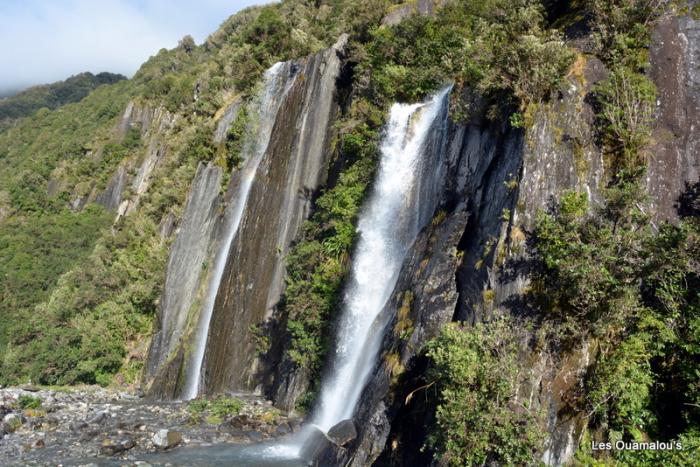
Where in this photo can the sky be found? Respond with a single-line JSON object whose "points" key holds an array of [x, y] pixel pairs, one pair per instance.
{"points": [[42, 41]]}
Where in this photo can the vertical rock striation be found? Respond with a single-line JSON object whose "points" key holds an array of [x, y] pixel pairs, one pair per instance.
{"points": [[675, 69], [497, 180], [187, 265], [290, 170]]}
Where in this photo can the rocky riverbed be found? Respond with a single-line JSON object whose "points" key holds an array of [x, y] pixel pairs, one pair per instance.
{"points": [[97, 426]]}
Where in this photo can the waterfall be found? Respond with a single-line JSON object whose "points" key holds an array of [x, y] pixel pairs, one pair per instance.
{"points": [[277, 82], [403, 200]]}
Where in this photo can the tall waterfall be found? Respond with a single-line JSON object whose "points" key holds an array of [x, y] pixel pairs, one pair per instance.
{"points": [[403, 201], [277, 81]]}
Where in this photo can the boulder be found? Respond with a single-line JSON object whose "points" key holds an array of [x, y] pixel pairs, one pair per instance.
{"points": [[112, 448], [99, 418], [166, 439], [11, 422], [342, 433], [316, 443], [254, 436]]}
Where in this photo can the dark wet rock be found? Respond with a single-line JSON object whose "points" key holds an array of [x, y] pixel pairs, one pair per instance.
{"points": [[239, 421], [166, 439], [283, 429], [99, 418], [342, 433], [254, 436], [39, 443], [316, 443], [78, 426], [89, 435], [111, 448]]}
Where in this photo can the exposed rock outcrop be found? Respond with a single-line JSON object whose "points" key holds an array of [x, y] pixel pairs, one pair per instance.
{"points": [[293, 167], [500, 178], [675, 69], [187, 267], [290, 171]]}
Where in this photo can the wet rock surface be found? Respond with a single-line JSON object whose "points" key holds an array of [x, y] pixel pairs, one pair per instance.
{"points": [[342, 433], [96, 426]]}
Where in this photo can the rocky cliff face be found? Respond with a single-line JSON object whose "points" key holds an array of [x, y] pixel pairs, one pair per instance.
{"points": [[187, 264], [675, 68], [464, 265], [290, 171]]}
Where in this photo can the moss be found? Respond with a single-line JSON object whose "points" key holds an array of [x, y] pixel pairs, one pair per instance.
{"points": [[394, 366], [578, 69], [512, 183], [404, 325], [439, 217], [488, 295]]}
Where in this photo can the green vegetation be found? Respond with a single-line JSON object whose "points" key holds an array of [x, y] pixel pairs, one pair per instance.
{"points": [[233, 146], [28, 402], [216, 410], [52, 95], [628, 101], [35, 250], [605, 275], [474, 44], [79, 296], [479, 417], [500, 48], [609, 275], [318, 263], [79, 289], [622, 29]]}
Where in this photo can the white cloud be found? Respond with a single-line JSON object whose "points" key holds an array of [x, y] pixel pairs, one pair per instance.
{"points": [[45, 41]]}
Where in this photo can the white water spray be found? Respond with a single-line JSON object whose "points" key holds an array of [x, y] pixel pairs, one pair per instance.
{"points": [[402, 202], [278, 80]]}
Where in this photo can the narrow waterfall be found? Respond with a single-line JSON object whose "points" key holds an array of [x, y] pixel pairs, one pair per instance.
{"points": [[403, 201], [277, 81]]}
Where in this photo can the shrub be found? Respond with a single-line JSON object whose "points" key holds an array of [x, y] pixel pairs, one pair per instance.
{"points": [[628, 101], [479, 418], [28, 402], [225, 406], [606, 272], [622, 28]]}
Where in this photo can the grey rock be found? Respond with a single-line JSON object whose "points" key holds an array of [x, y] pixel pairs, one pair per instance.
{"points": [[282, 429], [290, 171], [99, 418], [12, 421], [342, 433], [89, 435], [254, 436], [166, 439], [316, 443], [187, 266], [112, 448], [78, 426]]}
